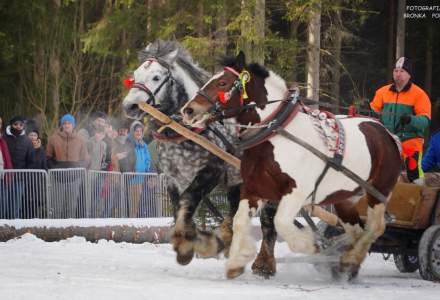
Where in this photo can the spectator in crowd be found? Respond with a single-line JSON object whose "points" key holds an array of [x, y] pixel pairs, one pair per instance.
{"points": [[431, 160], [66, 149], [121, 161], [38, 153], [98, 120], [142, 160], [97, 148], [20, 149], [5, 157], [110, 135], [19, 145], [5, 163], [405, 110]]}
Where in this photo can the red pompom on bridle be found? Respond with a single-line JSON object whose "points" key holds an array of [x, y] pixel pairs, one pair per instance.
{"points": [[222, 97], [128, 83]]}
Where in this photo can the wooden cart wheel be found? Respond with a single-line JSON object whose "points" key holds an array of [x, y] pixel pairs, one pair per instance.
{"points": [[429, 254], [406, 263]]}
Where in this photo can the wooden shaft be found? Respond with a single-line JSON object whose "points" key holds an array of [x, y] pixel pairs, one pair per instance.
{"points": [[196, 138], [322, 214]]}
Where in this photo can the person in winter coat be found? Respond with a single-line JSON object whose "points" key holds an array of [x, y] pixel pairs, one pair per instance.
{"points": [[120, 160], [405, 110], [5, 157], [19, 145], [20, 149], [142, 161], [5, 163], [431, 160], [38, 153], [65, 149]]}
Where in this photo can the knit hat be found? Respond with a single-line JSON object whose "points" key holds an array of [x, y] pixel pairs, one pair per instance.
{"points": [[17, 119], [98, 114], [68, 118], [404, 63]]}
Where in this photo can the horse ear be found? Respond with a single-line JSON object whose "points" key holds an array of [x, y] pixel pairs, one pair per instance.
{"points": [[241, 60], [171, 57]]}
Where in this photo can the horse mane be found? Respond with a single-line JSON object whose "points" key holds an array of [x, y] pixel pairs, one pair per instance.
{"points": [[161, 49], [255, 68]]}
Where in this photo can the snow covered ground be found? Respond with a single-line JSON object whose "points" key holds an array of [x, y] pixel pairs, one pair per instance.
{"points": [[75, 269]]}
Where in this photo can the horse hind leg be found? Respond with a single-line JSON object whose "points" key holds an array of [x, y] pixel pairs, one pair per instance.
{"points": [[265, 264], [375, 226]]}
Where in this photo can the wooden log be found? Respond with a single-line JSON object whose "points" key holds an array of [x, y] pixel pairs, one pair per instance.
{"points": [[118, 233], [196, 138]]}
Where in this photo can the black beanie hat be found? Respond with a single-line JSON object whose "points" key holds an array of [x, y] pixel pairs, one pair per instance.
{"points": [[17, 119], [404, 63]]}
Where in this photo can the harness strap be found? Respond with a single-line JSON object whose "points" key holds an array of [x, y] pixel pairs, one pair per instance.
{"points": [[229, 147], [350, 174]]}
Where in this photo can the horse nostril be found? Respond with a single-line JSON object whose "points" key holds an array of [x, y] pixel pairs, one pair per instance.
{"points": [[188, 111]]}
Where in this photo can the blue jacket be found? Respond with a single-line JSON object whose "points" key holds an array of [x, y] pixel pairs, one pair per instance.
{"points": [[143, 157], [431, 160]]}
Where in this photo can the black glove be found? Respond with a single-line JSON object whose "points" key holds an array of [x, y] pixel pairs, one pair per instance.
{"points": [[405, 119]]}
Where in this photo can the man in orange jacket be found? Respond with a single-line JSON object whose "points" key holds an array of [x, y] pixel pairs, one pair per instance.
{"points": [[405, 110]]}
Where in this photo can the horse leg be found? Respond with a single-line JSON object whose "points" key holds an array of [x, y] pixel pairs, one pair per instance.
{"points": [[226, 226], [265, 264], [299, 239], [243, 248], [375, 226], [186, 238]]}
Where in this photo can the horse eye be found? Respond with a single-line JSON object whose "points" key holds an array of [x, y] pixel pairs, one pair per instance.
{"points": [[222, 84], [156, 78]]}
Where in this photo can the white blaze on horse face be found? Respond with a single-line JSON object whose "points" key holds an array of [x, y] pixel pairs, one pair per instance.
{"points": [[149, 73], [199, 107]]}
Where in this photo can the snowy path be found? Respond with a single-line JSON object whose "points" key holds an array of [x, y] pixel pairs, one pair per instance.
{"points": [[76, 269]]}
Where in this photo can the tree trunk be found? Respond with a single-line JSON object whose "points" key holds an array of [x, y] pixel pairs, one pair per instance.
{"points": [[260, 22], [294, 36], [252, 28], [314, 44], [336, 70], [390, 53], [400, 36], [428, 62]]}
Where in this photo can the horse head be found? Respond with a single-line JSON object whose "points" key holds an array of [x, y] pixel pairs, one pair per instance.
{"points": [[166, 78], [228, 93]]}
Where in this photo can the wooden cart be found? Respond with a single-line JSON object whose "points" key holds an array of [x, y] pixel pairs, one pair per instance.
{"points": [[413, 238]]}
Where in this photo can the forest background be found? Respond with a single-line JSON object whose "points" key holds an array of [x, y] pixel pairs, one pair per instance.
{"points": [[59, 56]]}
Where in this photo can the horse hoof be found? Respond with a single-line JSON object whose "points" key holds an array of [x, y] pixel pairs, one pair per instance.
{"points": [[263, 270], [185, 259], [348, 272], [232, 273]]}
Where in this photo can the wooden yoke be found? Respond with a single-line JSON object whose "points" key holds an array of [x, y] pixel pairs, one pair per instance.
{"points": [[196, 138]]}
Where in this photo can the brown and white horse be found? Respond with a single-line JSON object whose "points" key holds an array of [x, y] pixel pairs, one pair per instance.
{"points": [[285, 172]]}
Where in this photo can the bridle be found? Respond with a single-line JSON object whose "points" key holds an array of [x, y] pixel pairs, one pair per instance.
{"points": [[218, 109], [143, 87]]}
